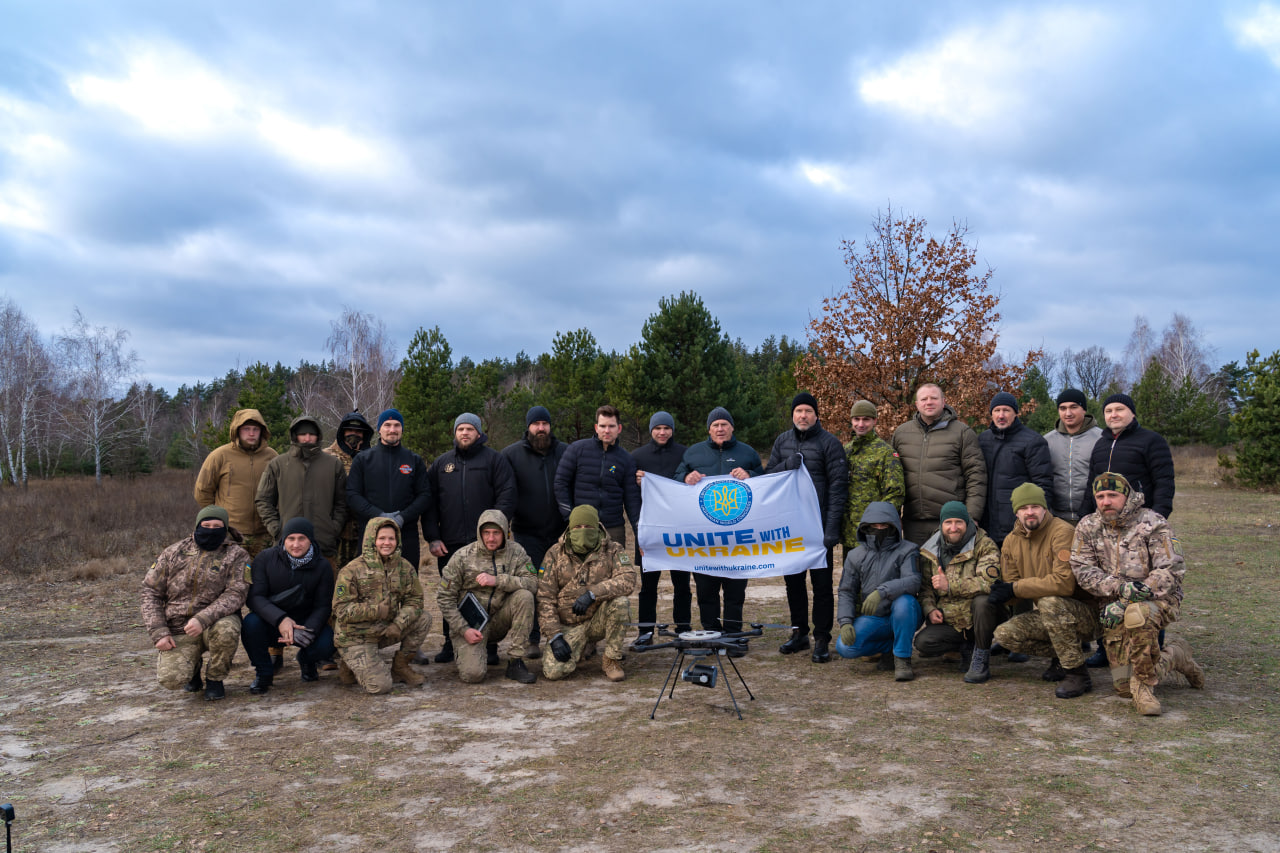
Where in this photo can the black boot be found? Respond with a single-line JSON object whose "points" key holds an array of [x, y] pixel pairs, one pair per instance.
{"points": [[214, 691], [261, 684], [445, 655], [517, 671], [1055, 672], [492, 650], [1098, 658], [308, 670], [1075, 682], [798, 643], [820, 652], [195, 685]]}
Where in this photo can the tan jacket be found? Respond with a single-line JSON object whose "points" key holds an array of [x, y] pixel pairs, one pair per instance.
{"points": [[230, 474]]}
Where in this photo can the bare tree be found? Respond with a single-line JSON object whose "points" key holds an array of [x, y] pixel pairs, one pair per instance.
{"points": [[97, 368], [25, 371], [364, 362], [1093, 370], [1138, 352]]}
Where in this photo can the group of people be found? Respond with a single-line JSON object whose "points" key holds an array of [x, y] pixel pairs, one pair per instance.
{"points": [[954, 543]]}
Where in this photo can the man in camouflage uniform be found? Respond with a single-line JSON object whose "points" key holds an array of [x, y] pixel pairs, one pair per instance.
{"points": [[958, 565], [498, 572], [377, 602], [1035, 565], [582, 596], [191, 600], [875, 472], [354, 434], [1128, 557]]}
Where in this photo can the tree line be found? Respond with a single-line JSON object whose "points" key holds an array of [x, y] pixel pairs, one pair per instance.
{"points": [[917, 308]]}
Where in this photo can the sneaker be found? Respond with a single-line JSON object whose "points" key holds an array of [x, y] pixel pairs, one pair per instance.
{"points": [[517, 671]]}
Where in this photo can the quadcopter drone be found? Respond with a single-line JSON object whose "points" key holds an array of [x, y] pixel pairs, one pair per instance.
{"points": [[716, 645]]}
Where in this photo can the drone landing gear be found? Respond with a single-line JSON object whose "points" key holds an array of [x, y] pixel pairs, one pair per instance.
{"points": [[718, 656]]}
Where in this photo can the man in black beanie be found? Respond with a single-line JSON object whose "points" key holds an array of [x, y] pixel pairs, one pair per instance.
{"points": [[1070, 446], [1141, 456], [1014, 455]]}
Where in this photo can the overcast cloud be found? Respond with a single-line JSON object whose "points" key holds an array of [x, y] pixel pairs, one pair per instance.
{"points": [[221, 179]]}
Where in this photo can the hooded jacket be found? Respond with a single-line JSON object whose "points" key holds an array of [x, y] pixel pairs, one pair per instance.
{"points": [[606, 571], [942, 462], [306, 482], [273, 573], [969, 573], [353, 420], [891, 571], [1070, 455], [1014, 455], [509, 564], [185, 582], [822, 454], [1143, 458], [537, 512], [230, 475], [366, 582], [465, 483], [1138, 546], [605, 478]]}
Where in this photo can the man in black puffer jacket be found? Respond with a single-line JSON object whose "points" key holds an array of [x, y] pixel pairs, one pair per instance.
{"points": [[598, 472], [1014, 455], [820, 452], [1138, 454], [660, 457]]}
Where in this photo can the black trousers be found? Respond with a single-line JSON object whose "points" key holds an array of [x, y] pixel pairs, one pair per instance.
{"points": [[681, 599], [735, 593], [934, 640], [824, 600]]}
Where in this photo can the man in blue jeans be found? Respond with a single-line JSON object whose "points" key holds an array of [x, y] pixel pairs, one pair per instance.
{"points": [[878, 611]]}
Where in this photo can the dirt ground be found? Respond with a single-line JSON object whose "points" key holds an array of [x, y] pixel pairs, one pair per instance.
{"points": [[95, 756]]}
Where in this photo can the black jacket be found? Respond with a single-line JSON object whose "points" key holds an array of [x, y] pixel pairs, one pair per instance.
{"points": [[386, 479], [716, 460], [537, 513], [659, 459], [1014, 456], [274, 574], [1143, 458], [465, 483], [828, 467], [605, 479]]}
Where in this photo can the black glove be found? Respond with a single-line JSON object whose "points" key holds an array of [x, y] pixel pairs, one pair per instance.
{"points": [[584, 601], [560, 649], [302, 637], [1000, 593]]}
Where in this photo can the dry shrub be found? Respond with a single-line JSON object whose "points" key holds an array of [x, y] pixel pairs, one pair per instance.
{"points": [[1198, 464], [73, 527]]}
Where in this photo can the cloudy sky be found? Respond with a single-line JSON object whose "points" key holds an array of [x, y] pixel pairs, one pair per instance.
{"points": [[222, 178]]}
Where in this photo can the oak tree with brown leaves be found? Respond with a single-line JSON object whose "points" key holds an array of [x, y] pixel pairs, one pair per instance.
{"points": [[917, 310]]}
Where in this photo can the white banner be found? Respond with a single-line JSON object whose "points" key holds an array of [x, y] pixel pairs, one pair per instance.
{"points": [[756, 528]]}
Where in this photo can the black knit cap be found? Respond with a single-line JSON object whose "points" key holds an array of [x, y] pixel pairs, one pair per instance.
{"points": [[298, 525], [1073, 395], [804, 398], [1004, 398], [1121, 398]]}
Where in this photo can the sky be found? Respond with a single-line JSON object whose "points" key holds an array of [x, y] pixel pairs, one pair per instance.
{"points": [[223, 179]]}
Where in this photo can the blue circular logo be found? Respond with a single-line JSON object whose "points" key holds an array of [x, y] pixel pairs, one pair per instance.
{"points": [[725, 501]]}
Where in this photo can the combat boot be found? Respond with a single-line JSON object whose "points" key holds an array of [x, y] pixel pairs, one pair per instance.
{"points": [[195, 685], [345, 675], [1178, 654], [1144, 700], [445, 655], [1055, 672], [902, 670], [1075, 682], [979, 667], [400, 670], [491, 654], [213, 691], [612, 669], [517, 671]]}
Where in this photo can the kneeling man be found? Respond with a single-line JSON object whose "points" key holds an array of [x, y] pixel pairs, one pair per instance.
{"points": [[498, 572], [191, 600], [377, 602], [582, 596], [1036, 566]]}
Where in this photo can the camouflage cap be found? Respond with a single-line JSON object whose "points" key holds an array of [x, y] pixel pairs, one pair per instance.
{"points": [[1110, 481]]}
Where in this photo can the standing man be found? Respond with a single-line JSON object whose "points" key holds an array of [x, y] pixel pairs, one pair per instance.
{"points": [[875, 472], [1128, 558], [598, 472], [1036, 566], [942, 462], [1070, 447], [465, 482], [230, 474], [538, 522], [498, 573], [958, 566], [719, 455], [582, 596], [353, 437], [1014, 455], [191, 600], [305, 483], [808, 444], [1138, 454], [390, 481], [660, 457]]}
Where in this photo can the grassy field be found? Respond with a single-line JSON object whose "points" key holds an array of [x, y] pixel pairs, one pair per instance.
{"points": [[95, 756]]}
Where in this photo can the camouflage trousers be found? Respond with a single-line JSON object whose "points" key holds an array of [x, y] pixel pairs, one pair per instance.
{"points": [[348, 550], [1134, 649], [514, 619], [221, 639], [609, 624], [1054, 629], [371, 671]]}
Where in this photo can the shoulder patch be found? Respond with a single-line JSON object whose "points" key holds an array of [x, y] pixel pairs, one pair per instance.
{"points": [[541, 571], [1064, 555], [341, 589], [1176, 544], [529, 567], [992, 572], [624, 559]]}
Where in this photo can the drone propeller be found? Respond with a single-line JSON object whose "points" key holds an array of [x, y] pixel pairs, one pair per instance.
{"points": [[648, 624]]}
